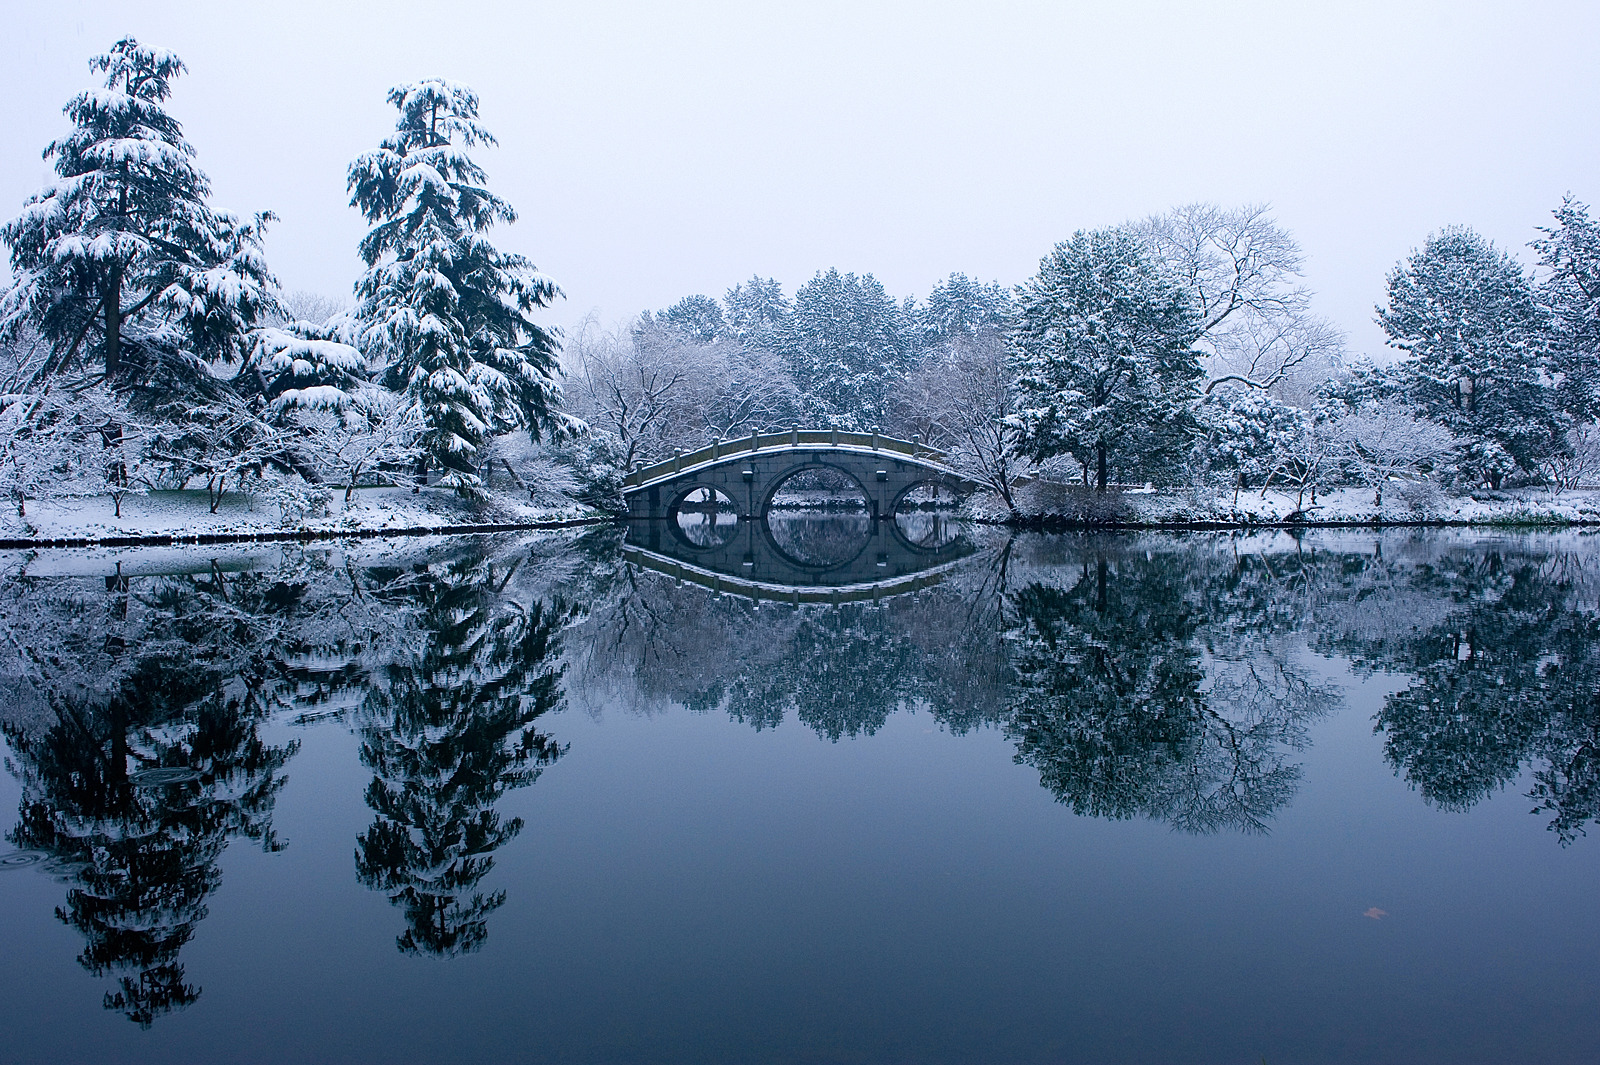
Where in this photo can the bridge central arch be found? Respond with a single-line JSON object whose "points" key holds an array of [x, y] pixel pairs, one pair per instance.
{"points": [[783, 478]]}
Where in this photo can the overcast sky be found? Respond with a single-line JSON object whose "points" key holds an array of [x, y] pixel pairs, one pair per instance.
{"points": [[660, 149]]}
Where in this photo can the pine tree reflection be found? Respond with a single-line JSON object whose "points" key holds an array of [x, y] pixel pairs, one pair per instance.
{"points": [[448, 730], [1509, 677], [135, 801], [1125, 712]]}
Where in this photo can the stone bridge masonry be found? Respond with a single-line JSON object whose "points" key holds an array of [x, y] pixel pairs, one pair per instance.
{"points": [[749, 470]]}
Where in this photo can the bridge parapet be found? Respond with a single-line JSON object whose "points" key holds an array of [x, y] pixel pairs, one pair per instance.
{"points": [[793, 439]]}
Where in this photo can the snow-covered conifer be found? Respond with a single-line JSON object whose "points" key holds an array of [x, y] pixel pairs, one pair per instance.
{"points": [[1471, 323], [1104, 355], [696, 317], [1247, 436], [304, 366], [847, 344], [960, 307], [122, 261], [1569, 255], [448, 311], [757, 312]]}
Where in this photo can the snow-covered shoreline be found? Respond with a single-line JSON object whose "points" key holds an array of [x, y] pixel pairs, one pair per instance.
{"points": [[184, 517], [176, 517], [1044, 504]]}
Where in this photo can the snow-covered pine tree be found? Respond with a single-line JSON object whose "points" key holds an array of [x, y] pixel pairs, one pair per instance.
{"points": [[305, 366], [1569, 255], [847, 344], [1477, 338], [697, 317], [1104, 354], [756, 313], [446, 309], [960, 307], [122, 261]]}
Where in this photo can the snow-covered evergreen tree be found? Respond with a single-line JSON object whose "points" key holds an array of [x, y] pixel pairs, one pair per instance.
{"points": [[122, 262], [696, 317], [1104, 355], [1569, 254], [1248, 436], [847, 344], [1468, 318], [961, 307], [448, 311], [304, 366], [757, 312]]}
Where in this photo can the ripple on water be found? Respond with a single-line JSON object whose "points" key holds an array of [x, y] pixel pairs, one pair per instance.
{"points": [[21, 859], [156, 778]]}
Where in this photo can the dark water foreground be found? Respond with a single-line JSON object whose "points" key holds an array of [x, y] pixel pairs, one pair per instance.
{"points": [[840, 793]]}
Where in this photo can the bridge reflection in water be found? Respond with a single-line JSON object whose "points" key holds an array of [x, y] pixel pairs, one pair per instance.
{"points": [[804, 556]]}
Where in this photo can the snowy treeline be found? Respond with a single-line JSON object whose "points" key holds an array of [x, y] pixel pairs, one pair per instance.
{"points": [[1179, 350], [146, 343], [1182, 350]]}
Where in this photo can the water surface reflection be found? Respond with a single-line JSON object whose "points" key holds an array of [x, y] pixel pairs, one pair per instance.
{"points": [[1178, 680]]}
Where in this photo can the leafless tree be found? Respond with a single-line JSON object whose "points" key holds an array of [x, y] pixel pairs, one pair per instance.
{"points": [[1579, 464], [655, 388], [960, 399], [1386, 441], [380, 429], [1243, 271]]}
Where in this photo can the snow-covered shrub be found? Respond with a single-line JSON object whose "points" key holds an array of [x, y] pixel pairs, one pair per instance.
{"points": [[1384, 441], [1075, 504], [1421, 497], [295, 499], [36, 446], [595, 459], [373, 437], [1246, 438]]}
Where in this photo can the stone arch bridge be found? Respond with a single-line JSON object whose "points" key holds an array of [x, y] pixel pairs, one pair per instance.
{"points": [[749, 471]]}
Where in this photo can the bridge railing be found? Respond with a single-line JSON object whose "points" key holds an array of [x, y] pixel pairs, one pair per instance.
{"points": [[788, 438]]}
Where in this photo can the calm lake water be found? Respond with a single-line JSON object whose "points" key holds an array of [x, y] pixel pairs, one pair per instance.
{"points": [[819, 791]]}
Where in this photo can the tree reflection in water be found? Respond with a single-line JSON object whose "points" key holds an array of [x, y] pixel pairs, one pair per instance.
{"points": [[135, 717], [1161, 686], [447, 730], [134, 787], [1140, 676], [1505, 677], [1126, 707]]}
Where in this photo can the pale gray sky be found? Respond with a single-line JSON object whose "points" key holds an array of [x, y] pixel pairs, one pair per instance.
{"points": [[657, 149]]}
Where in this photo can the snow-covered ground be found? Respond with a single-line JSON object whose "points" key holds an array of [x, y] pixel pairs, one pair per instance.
{"points": [[1402, 502], [187, 513]]}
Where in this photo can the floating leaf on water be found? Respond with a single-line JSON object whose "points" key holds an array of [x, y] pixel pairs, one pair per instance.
{"points": [[155, 778]]}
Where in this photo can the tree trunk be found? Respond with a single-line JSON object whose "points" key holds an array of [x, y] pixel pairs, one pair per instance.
{"points": [[1100, 468], [113, 311]]}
